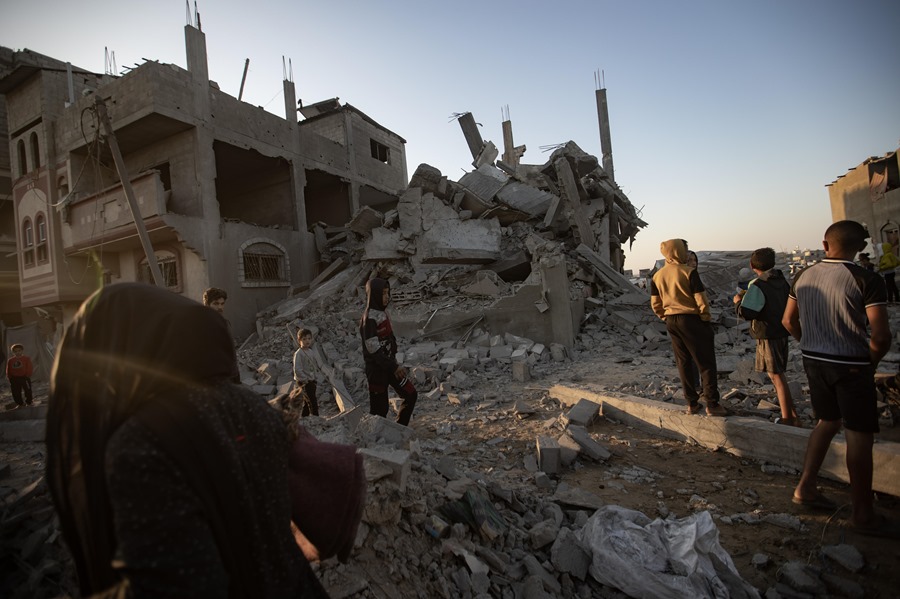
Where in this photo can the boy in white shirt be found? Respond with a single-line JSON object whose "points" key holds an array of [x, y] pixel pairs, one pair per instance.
{"points": [[307, 370]]}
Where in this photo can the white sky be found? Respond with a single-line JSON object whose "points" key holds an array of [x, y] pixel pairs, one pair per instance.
{"points": [[728, 118]]}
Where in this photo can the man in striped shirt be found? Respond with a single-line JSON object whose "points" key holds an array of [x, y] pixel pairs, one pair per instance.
{"points": [[827, 311]]}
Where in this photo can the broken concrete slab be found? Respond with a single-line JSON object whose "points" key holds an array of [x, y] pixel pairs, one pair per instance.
{"points": [[742, 436], [582, 413], [587, 444], [525, 198], [460, 242], [484, 182], [365, 219], [384, 245]]}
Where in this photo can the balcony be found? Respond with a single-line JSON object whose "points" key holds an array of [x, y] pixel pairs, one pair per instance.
{"points": [[105, 218]]}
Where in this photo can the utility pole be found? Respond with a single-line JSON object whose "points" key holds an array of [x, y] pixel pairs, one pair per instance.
{"points": [[129, 192]]}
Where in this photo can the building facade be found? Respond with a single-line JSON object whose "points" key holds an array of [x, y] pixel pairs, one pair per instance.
{"points": [[870, 193], [226, 191]]}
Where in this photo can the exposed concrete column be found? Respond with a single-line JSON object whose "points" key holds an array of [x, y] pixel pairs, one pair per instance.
{"points": [[472, 134], [556, 291], [290, 102], [605, 138], [195, 46], [351, 162]]}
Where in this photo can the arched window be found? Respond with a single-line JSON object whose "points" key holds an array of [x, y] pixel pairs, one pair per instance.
{"points": [[20, 151], [35, 151], [27, 242], [263, 264], [40, 223], [168, 267]]}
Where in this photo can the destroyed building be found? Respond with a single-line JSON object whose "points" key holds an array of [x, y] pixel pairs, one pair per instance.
{"points": [[869, 193], [226, 190]]}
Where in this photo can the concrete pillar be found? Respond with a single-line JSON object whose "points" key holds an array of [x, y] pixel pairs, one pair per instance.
{"points": [[472, 134], [509, 148], [556, 290], [290, 102], [605, 138], [351, 162], [195, 46]]}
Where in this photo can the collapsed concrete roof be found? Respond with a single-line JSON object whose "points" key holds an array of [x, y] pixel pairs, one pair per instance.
{"points": [[518, 250]]}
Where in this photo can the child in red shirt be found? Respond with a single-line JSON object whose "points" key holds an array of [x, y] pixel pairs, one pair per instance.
{"points": [[18, 370]]}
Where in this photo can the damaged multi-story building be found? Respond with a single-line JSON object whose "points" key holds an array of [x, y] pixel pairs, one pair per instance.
{"points": [[270, 207], [226, 190], [870, 193]]}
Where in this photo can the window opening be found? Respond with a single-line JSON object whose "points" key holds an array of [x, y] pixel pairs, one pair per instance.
{"points": [[41, 225], [35, 151], [380, 152]]}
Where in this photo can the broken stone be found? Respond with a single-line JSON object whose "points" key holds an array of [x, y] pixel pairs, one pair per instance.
{"points": [[846, 555]]}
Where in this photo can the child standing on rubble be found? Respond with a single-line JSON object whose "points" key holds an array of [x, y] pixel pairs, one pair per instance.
{"points": [[19, 370], [307, 370], [379, 347], [763, 305]]}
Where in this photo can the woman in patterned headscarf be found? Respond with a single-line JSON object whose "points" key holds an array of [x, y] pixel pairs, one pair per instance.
{"points": [[169, 480]]}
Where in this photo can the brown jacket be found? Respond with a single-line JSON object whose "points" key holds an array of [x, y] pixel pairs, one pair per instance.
{"points": [[676, 288]]}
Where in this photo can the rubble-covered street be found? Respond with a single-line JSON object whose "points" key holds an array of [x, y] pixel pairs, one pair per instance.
{"points": [[501, 487]]}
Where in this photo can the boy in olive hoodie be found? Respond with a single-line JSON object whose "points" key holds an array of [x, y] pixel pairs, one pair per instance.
{"points": [[677, 295]]}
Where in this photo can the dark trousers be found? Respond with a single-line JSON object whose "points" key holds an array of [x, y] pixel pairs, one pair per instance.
{"points": [[379, 381], [310, 402], [892, 293], [17, 385], [695, 350]]}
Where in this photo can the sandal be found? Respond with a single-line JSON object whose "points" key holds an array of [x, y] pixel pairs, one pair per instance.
{"points": [[819, 502]]}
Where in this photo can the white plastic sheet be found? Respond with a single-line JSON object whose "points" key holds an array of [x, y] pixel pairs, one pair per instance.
{"points": [[661, 558]]}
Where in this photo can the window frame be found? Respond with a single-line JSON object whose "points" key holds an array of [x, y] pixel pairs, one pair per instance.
{"points": [[255, 250]]}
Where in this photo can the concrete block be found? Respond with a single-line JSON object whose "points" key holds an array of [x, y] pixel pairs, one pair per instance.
{"points": [[448, 363], [383, 245], [583, 413], [35, 412], [350, 418], [521, 371], [20, 431], [568, 449], [519, 355], [558, 352], [396, 460], [264, 390], [499, 352], [433, 394], [517, 341], [455, 353], [568, 557], [381, 431], [548, 455], [589, 447]]}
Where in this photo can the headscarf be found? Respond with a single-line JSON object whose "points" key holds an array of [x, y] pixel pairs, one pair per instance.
{"points": [[133, 348]]}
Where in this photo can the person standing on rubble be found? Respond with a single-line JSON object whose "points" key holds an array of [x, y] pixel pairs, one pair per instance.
{"points": [[763, 305], [678, 297], [379, 347], [887, 267], [832, 307], [168, 480]]}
